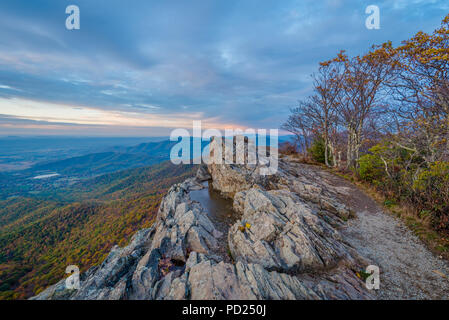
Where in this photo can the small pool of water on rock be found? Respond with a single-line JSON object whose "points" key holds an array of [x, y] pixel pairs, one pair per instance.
{"points": [[219, 209]]}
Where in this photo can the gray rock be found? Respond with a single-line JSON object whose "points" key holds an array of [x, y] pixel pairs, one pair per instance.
{"points": [[203, 174], [291, 250], [285, 233]]}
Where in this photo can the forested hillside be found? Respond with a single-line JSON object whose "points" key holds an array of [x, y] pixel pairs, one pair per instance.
{"points": [[40, 238]]}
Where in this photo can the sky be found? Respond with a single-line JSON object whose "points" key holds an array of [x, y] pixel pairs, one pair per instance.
{"points": [[143, 68]]}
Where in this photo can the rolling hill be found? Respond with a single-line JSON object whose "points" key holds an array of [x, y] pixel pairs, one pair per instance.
{"points": [[39, 243]]}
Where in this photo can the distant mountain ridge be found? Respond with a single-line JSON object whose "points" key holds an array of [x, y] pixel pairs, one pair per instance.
{"points": [[119, 158], [19, 153], [116, 158]]}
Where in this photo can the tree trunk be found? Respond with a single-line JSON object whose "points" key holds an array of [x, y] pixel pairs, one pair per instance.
{"points": [[333, 153], [350, 148], [326, 150]]}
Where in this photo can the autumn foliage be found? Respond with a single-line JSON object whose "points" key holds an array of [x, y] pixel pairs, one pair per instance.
{"points": [[384, 116], [107, 211]]}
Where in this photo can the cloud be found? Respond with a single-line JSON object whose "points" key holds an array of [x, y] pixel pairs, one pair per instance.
{"points": [[243, 63], [5, 87], [18, 109]]}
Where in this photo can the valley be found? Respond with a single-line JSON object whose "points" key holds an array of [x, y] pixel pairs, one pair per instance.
{"points": [[74, 210]]}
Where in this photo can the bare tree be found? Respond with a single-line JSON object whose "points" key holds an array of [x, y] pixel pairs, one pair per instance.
{"points": [[324, 105], [364, 78], [421, 90], [317, 115], [300, 125]]}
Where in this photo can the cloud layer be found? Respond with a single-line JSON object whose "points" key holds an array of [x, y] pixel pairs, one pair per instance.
{"points": [[160, 64]]}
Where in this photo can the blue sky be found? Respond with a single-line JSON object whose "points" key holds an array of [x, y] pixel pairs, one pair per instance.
{"points": [[140, 68]]}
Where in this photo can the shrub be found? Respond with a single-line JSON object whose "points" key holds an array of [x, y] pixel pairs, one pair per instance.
{"points": [[371, 168], [287, 148], [431, 190], [317, 150], [425, 189]]}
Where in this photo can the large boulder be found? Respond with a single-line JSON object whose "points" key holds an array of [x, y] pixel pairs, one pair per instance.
{"points": [[281, 232]]}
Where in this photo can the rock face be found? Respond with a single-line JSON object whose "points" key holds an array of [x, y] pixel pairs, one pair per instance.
{"points": [[286, 244], [285, 233]]}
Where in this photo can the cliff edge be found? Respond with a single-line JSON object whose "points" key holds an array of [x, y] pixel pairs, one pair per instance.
{"points": [[284, 243]]}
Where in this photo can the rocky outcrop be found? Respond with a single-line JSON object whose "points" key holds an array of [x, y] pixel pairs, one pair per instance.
{"points": [[286, 244], [285, 233]]}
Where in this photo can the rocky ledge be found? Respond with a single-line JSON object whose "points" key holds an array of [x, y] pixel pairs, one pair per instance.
{"points": [[285, 244]]}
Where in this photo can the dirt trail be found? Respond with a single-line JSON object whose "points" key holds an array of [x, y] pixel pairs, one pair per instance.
{"points": [[408, 270]]}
